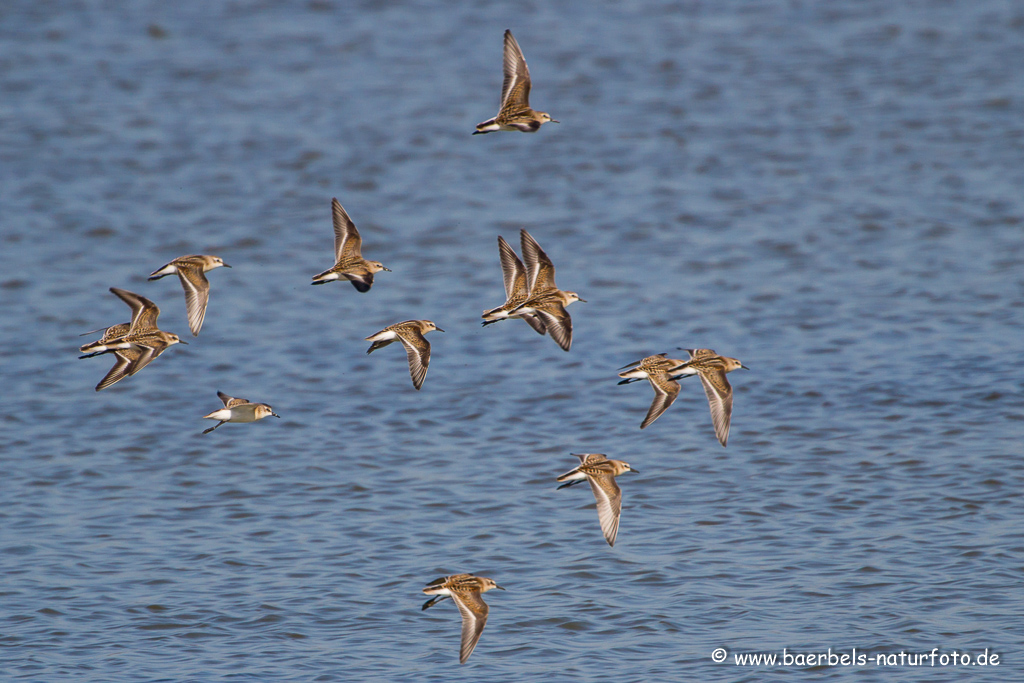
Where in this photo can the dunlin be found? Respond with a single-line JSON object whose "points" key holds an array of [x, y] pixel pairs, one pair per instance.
{"points": [[711, 368], [465, 590], [516, 290], [515, 112], [410, 333], [350, 264], [601, 473], [144, 316], [238, 410], [142, 337], [191, 271], [656, 370], [546, 300]]}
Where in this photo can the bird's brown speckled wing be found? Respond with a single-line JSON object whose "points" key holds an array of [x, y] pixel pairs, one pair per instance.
{"points": [[197, 295], [515, 87], [719, 393], [665, 392], [347, 242], [474, 618]]}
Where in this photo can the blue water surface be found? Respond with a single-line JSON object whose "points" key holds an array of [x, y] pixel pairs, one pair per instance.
{"points": [[829, 191]]}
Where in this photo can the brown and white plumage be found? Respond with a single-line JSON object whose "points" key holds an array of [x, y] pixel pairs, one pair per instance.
{"points": [[125, 365], [238, 410], [191, 271], [465, 590], [601, 472], [410, 333], [655, 369], [712, 368], [540, 271], [550, 308], [517, 289], [515, 112], [142, 337], [349, 262], [109, 333], [546, 300], [144, 318], [125, 357]]}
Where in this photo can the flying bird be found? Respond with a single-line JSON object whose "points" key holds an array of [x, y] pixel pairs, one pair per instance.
{"points": [[545, 300], [712, 368], [410, 333], [601, 473], [135, 344], [516, 290], [238, 410], [349, 262], [655, 369], [464, 590], [515, 112], [191, 271]]}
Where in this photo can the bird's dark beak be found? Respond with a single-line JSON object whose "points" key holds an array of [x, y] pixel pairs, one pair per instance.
{"points": [[182, 341], [226, 265], [438, 328], [387, 269], [275, 415], [583, 300], [553, 121], [744, 367], [634, 471], [498, 587]]}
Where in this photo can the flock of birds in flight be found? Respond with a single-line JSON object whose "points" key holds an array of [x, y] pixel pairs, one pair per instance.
{"points": [[531, 295]]}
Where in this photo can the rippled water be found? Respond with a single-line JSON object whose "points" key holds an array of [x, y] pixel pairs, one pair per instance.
{"points": [[830, 192]]}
